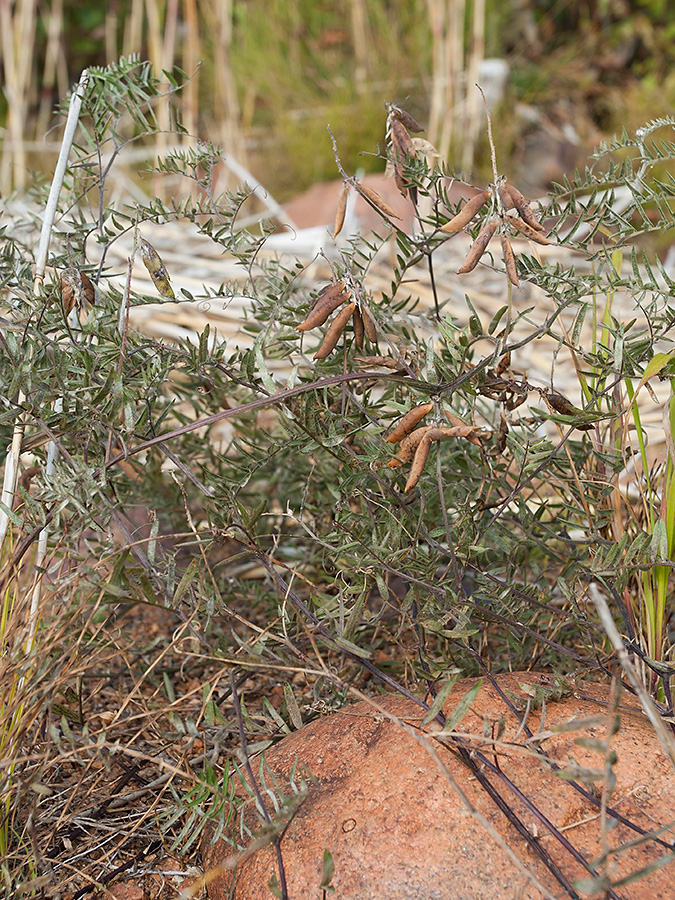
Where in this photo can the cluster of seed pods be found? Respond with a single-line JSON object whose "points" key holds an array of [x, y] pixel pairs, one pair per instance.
{"points": [[526, 223], [416, 442], [329, 299]]}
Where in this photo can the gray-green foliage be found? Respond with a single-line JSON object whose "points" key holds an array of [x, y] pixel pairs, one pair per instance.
{"points": [[488, 542]]}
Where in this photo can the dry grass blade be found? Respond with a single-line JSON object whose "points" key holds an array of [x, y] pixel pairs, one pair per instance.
{"points": [[466, 213], [509, 260], [408, 447], [409, 421], [326, 302], [341, 211], [478, 248], [377, 201], [332, 336]]}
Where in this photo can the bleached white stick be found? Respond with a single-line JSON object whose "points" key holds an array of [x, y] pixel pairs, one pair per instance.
{"points": [[12, 461]]}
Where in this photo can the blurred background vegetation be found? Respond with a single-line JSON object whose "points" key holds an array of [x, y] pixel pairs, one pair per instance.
{"points": [[269, 75]]}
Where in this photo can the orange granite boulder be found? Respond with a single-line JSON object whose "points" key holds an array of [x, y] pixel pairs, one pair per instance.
{"points": [[403, 817]]}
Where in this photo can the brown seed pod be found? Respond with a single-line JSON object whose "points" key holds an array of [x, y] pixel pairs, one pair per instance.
{"points": [[406, 120], [401, 183], [565, 407], [341, 211], [377, 201], [76, 289], [332, 336], [88, 288], [470, 432], [71, 289], [560, 403], [453, 419], [478, 247], [466, 213], [523, 207], [357, 319], [509, 260], [403, 146], [459, 429], [408, 446], [500, 443], [157, 270], [504, 363], [527, 230], [326, 302], [369, 324], [420, 460], [387, 361], [27, 476], [505, 196], [405, 425]]}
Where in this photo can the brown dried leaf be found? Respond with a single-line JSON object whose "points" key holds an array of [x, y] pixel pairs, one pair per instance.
{"points": [[326, 302], [466, 213], [527, 230], [377, 201], [332, 336], [509, 260], [478, 247], [406, 119], [407, 449], [406, 424], [341, 211]]}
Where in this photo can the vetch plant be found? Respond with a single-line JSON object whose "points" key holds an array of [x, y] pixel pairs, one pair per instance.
{"points": [[306, 546]]}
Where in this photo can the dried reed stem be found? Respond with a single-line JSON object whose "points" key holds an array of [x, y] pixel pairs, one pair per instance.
{"points": [[475, 55], [17, 37], [12, 462]]}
